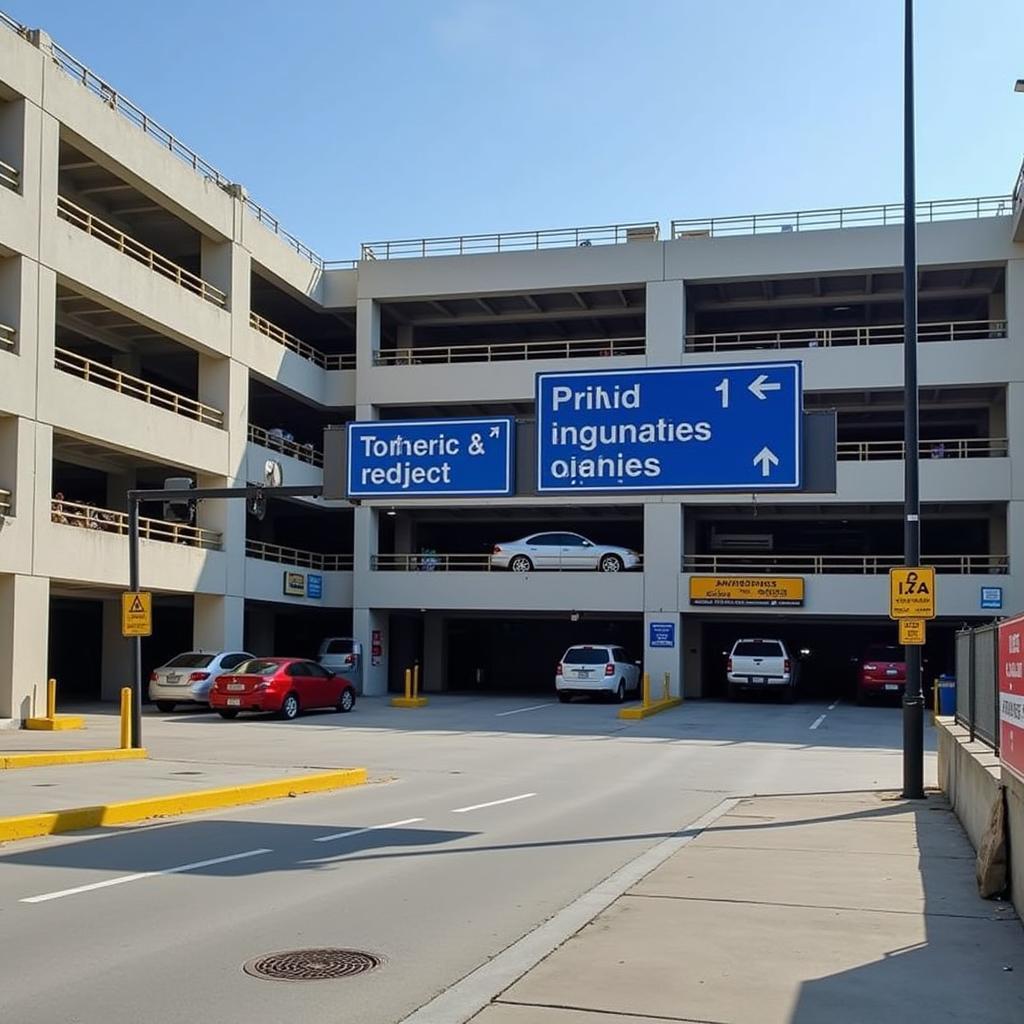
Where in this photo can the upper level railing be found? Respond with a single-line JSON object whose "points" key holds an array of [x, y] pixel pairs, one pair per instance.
{"points": [[89, 517], [327, 361], [511, 241], [105, 232], [501, 351], [136, 387], [295, 556], [7, 336], [433, 561], [842, 217], [274, 440], [1018, 188], [5, 502], [10, 177], [946, 448], [835, 337], [858, 565]]}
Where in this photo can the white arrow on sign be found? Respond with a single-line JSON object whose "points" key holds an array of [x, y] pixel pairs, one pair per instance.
{"points": [[766, 458], [760, 384]]}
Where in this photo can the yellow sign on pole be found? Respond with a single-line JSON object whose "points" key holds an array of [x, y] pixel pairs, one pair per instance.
{"points": [[136, 613], [912, 593], [911, 632]]}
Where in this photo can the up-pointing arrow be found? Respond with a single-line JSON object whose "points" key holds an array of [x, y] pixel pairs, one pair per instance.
{"points": [[760, 384], [766, 458]]}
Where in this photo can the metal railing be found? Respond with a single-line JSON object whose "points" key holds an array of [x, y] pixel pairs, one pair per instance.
{"points": [[842, 217], [955, 448], [510, 241], [977, 683], [341, 264], [834, 337], [433, 561], [501, 351], [301, 348], [93, 225], [269, 439], [858, 565], [136, 387], [105, 520], [10, 177], [294, 556], [5, 502], [7, 336], [271, 223], [1018, 188]]}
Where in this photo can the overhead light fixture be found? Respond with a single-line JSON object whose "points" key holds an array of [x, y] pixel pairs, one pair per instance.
{"points": [[391, 512], [841, 309]]}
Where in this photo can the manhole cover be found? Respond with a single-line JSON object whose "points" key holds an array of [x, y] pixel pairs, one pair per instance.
{"points": [[311, 964]]}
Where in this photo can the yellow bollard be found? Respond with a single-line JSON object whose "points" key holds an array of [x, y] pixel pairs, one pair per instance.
{"points": [[647, 689], [665, 687], [126, 717], [408, 684], [416, 680], [51, 698]]}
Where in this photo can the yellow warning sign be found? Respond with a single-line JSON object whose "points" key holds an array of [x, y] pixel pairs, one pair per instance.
{"points": [[912, 593], [911, 632], [136, 613]]}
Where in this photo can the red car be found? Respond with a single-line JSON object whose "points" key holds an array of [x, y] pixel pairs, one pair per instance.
{"points": [[882, 672], [282, 685]]}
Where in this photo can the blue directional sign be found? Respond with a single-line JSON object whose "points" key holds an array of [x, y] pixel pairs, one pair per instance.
{"points": [[709, 428], [662, 634], [314, 585], [427, 458]]}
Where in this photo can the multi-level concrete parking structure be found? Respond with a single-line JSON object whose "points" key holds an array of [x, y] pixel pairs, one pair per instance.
{"points": [[155, 322]]}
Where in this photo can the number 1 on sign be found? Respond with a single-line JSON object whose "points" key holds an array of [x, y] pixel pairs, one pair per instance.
{"points": [[723, 390]]}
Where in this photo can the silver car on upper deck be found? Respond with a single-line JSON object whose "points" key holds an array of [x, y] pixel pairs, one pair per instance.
{"points": [[562, 551]]}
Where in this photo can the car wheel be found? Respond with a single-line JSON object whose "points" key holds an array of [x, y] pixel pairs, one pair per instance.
{"points": [[520, 564], [166, 706], [610, 563], [227, 712], [620, 693], [290, 708], [564, 698], [347, 701]]}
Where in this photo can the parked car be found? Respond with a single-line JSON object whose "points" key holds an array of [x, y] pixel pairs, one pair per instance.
{"points": [[343, 656], [764, 665], [285, 686], [187, 678], [882, 671], [561, 551], [596, 669]]}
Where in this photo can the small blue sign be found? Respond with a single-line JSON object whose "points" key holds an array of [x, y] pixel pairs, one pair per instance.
{"points": [[663, 634], [709, 428], [314, 585], [991, 597], [427, 458]]}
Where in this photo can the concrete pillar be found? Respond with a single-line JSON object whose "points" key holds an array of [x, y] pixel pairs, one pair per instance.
{"points": [[435, 677], [666, 322], [663, 533], [404, 335], [217, 622], [403, 534], [24, 636], [1015, 318], [367, 332], [366, 624], [118, 666], [692, 651], [259, 630]]}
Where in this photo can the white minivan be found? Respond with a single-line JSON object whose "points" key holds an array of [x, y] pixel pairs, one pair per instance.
{"points": [[597, 669], [343, 656], [757, 664]]}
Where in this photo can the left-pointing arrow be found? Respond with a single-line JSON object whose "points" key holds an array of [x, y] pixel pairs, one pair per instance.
{"points": [[760, 384], [766, 458]]}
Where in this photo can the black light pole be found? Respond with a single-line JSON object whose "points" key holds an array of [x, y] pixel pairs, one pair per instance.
{"points": [[133, 586], [913, 699]]}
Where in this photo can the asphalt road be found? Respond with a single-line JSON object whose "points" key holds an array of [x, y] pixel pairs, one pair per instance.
{"points": [[485, 818]]}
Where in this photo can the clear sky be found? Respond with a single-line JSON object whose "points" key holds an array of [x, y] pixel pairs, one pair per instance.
{"points": [[358, 121]]}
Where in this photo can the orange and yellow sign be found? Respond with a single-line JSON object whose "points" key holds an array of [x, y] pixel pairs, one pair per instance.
{"points": [[747, 591]]}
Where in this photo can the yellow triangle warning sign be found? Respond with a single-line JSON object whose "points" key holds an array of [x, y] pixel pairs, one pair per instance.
{"points": [[136, 606], [136, 613]]}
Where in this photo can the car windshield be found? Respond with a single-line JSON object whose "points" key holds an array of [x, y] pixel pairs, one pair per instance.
{"points": [[759, 648], [338, 647], [191, 660], [586, 656], [258, 667], [882, 653]]}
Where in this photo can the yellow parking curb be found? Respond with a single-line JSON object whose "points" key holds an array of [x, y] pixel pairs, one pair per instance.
{"points": [[30, 825], [640, 711], [56, 724], [408, 702], [53, 757]]}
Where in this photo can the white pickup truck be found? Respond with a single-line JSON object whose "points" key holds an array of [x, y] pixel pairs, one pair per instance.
{"points": [[763, 665]]}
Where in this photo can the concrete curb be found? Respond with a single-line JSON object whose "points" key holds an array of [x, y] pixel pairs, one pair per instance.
{"points": [[633, 714], [56, 757], [56, 724], [74, 818]]}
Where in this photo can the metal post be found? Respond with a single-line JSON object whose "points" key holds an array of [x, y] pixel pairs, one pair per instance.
{"points": [[133, 585], [913, 701]]}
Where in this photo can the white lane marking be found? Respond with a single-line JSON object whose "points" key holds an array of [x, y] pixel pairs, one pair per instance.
{"points": [[833, 705], [818, 721], [121, 879], [519, 711], [493, 803], [363, 831]]}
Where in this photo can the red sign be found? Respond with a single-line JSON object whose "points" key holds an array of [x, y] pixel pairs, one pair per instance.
{"points": [[1011, 694]]}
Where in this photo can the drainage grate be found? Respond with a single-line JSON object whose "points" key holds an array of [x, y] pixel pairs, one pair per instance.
{"points": [[312, 964]]}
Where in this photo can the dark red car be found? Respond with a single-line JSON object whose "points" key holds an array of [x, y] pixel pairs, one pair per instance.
{"points": [[883, 672], [285, 686]]}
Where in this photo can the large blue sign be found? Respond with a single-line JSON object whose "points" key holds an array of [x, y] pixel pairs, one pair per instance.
{"points": [[662, 634], [709, 428], [426, 458]]}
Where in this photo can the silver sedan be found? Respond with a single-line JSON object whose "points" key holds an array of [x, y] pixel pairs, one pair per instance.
{"points": [[562, 551], [187, 678]]}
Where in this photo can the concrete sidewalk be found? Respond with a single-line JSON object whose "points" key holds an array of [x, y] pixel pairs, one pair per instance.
{"points": [[837, 908]]}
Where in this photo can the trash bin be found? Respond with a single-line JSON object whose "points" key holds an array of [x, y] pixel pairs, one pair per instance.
{"points": [[946, 689]]}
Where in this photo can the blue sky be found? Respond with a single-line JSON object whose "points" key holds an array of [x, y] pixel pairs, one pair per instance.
{"points": [[357, 121]]}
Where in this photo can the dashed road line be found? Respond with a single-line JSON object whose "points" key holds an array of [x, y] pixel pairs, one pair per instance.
{"points": [[833, 705], [817, 721], [519, 711], [493, 803], [363, 831]]}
